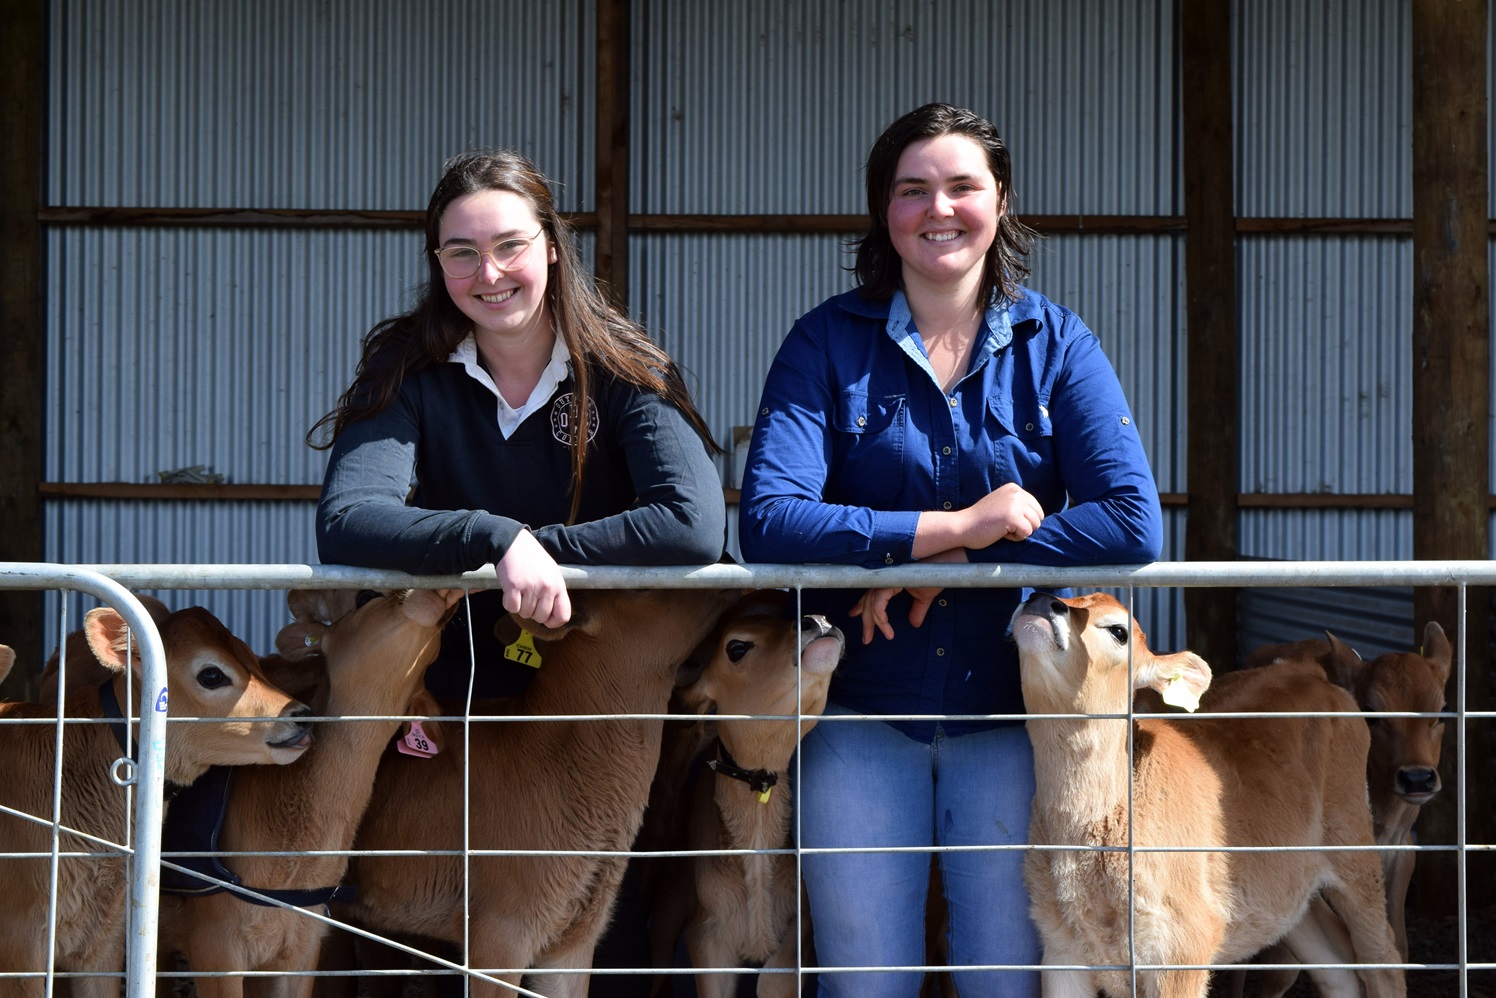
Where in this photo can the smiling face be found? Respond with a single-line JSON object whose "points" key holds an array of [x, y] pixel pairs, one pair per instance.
{"points": [[506, 303], [943, 212]]}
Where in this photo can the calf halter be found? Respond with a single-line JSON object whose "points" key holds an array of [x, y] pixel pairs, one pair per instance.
{"points": [[193, 824], [761, 781], [109, 706]]}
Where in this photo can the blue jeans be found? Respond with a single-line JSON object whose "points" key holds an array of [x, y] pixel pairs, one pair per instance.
{"points": [[863, 784]]}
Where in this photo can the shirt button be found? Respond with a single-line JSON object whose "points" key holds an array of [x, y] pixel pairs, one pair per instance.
{"points": [[952, 401], [945, 505], [1028, 426], [1126, 421], [763, 412], [939, 652], [888, 559], [941, 601], [861, 420], [946, 451]]}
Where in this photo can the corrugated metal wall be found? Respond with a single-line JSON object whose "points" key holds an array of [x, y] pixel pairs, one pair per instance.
{"points": [[331, 104], [771, 106], [1324, 130], [173, 347]]}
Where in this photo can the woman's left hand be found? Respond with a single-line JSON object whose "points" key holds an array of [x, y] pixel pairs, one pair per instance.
{"points": [[873, 606], [532, 584]]}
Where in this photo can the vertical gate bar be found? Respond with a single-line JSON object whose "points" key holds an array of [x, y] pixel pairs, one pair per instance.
{"points": [[1461, 836]]}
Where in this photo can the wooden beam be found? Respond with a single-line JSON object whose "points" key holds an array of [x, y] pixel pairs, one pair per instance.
{"points": [[612, 149], [22, 45], [189, 491], [1451, 365], [317, 218], [1210, 315], [254, 218]]}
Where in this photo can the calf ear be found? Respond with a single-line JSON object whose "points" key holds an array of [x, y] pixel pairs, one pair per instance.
{"points": [[1183, 667], [322, 606], [7, 659], [300, 639], [158, 610], [1343, 663], [1436, 649], [425, 705], [583, 619], [109, 638], [302, 677], [694, 692], [688, 673], [507, 629]]}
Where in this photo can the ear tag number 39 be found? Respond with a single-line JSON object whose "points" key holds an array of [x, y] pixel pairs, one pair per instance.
{"points": [[523, 651], [417, 743]]}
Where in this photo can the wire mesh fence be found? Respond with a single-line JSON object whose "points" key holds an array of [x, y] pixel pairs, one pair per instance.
{"points": [[130, 854]]}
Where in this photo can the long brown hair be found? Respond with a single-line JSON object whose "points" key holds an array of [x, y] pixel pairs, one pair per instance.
{"points": [[598, 336], [879, 268]]}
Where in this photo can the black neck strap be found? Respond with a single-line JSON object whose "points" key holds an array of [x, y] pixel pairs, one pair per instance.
{"points": [[760, 780]]}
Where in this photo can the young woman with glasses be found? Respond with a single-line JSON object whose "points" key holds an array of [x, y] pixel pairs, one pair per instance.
{"points": [[512, 417]]}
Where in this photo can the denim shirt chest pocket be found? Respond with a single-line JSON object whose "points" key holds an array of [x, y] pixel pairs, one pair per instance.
{"points": [[1022, 440], [868, 449]]}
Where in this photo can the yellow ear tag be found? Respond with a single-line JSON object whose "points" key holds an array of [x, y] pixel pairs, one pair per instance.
{"points": [[523, 651], [763, 795]]}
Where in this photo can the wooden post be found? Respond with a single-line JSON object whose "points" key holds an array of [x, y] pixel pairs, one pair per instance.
{"points": [[1451, 398], [613, 149], [1210, 276], [22, 50]]}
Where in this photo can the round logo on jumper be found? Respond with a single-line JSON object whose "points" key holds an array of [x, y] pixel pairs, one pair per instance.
{"points": [[564, 419]]}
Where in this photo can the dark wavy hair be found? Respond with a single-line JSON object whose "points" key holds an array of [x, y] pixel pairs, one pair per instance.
{"points": [[878, 267], [598, 336]]}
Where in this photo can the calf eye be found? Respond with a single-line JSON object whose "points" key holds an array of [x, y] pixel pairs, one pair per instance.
{"points": [[737, 649], [1119, 632], [212, 678]]}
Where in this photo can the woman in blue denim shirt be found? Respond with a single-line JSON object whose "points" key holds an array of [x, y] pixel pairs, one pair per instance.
{"points": [[940, 412]]}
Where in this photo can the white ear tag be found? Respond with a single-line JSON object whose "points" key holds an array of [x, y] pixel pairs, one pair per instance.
{"points": [[1177, 693]]}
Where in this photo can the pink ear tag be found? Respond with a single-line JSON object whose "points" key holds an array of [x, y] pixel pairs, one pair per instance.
{"points": [[417, 743]]}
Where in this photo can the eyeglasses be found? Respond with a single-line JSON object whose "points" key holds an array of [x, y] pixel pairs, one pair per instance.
{"points": [[458, 262]]}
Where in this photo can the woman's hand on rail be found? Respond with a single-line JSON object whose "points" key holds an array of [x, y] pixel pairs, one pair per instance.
{"points": [[532, 584]]}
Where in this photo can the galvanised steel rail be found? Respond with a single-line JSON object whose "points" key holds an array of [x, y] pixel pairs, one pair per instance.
{"points": [[1156, 575], [149, 771], [110, 583]]}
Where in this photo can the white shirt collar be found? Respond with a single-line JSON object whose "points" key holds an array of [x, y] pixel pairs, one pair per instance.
{"points": [[509, 417]]}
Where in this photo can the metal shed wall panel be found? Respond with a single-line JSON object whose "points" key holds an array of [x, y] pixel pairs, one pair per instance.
{"points": [[722, 304], [771, 107], [331, 105], [1130, 291], [263, 533], [1327, 534], [170, 348], [1323, 108], [1373, 620], [1326, 347]]}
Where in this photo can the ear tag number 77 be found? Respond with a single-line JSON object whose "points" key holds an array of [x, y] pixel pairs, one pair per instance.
{"points": [[523, 651]]}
